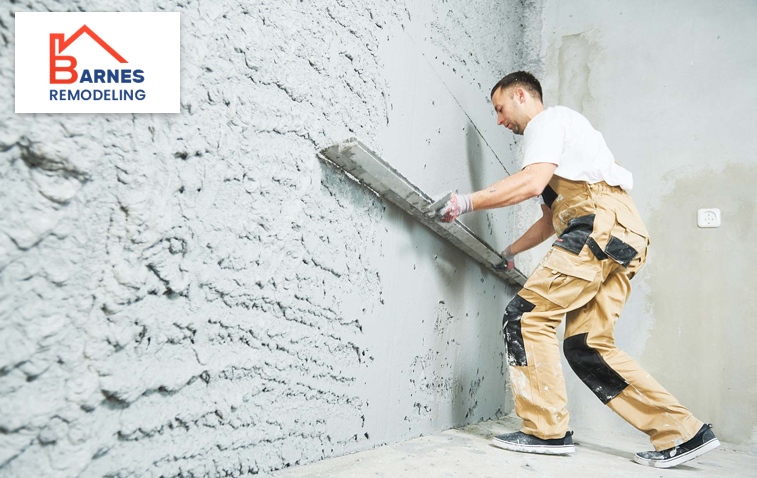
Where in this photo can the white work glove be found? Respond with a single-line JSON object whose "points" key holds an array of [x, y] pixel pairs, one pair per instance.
{"points": [[509, 257], [457, 204]]}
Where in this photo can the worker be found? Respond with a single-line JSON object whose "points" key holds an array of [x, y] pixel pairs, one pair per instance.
{"points": [[602, 243]]}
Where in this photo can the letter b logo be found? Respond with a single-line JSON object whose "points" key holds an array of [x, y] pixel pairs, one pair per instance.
{"points": [[54, 68]]}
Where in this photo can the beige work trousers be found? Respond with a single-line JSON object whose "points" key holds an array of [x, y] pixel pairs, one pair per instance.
{"points": [[601, 244]]}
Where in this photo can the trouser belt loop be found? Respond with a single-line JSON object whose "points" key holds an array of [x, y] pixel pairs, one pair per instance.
{"points": [[594, 190]]}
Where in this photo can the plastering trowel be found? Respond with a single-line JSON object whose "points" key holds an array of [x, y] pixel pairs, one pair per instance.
{"points": [[365, 166]]}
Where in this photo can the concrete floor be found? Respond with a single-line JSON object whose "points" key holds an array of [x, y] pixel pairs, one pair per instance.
{"points": [[467, 452]]}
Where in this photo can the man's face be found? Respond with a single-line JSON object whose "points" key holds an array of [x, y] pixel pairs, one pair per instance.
{"points": [[509, 103]]}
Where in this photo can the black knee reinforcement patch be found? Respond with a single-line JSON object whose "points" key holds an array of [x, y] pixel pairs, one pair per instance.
{"points": [[592, 369], [575, 235], [516, 351]]}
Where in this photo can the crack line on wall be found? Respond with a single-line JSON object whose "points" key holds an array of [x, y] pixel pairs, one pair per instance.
{"points": [[458, 103]]}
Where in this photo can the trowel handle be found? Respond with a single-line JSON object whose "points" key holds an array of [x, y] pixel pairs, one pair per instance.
{"points": [[436, 205]]}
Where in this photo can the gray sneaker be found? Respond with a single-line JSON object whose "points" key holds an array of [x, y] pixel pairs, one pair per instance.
{"points": [[704, 441], [525, 443]]}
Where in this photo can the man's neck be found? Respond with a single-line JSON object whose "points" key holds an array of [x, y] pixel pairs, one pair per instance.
{"points": [[531, 114]]}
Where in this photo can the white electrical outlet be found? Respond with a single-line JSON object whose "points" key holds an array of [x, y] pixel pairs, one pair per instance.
{"points": [[709, 217]]}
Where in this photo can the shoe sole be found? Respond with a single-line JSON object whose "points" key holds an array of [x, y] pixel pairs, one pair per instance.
{"points": [[677, 460], [540, 449]]}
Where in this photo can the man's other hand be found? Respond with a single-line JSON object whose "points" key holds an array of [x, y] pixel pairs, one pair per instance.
{"points": [[509, 258]]}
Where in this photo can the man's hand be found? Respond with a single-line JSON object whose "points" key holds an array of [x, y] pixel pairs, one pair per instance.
{"points": [[509, 257], [458, 204]]}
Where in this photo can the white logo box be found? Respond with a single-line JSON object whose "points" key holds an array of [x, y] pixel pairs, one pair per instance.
{"points": [[145, 41]]}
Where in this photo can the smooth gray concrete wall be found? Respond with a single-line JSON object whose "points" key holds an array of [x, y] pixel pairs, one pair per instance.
{"points": [[197, 295], [671, 85]]}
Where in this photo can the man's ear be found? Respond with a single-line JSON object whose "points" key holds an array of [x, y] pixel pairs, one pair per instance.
{"points": [[521, 93]]}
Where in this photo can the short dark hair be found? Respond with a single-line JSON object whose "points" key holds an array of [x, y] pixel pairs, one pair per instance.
{"points": [[523, 79]]}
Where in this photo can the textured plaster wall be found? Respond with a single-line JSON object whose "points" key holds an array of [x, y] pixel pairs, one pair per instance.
{"points": [[197, 295], [671, 87]]}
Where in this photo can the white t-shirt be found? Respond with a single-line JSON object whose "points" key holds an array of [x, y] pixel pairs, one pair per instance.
{"points": [[565, 137]]}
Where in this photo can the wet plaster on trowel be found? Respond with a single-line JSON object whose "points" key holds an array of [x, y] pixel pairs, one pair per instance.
{"points": [[197, 295]]}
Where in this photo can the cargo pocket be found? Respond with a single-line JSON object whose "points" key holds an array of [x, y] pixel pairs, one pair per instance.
{"points": [[628, 238], [631, 223], [561, 278], [575, 235]]}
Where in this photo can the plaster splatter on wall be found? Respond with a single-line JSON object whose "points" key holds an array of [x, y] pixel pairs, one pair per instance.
{"points": [[186, 294]]}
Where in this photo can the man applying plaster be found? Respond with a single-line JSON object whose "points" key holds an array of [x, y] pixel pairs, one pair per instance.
{"points": [[602, 243]]}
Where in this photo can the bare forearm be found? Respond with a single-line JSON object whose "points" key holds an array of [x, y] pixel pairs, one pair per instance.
{"points": [[536, 234], [505, 192], [525, 184]]}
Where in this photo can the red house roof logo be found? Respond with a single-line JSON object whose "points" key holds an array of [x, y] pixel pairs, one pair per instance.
{"points": [[63, 43]]}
